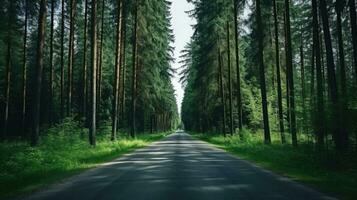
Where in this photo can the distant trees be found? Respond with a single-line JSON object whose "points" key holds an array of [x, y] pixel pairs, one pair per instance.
{"points": [[42, 86], [269, 51]]}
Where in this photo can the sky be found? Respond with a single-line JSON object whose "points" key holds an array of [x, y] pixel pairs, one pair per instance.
{"points": [[181, 24]]}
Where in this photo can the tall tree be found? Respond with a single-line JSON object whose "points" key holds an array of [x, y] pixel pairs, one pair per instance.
{"points": [[62, 57], [267, 138], [39, 70], [230, 90], [117, 70], [8, 66], [223, 99], [319, 127], [24, 69], [339, 134], [70, 57], [51, 79], [84, 70], [134, 72], [239, 95], [93, 123], [100, 57], [278, 75], [290, 74], [341, 52]]}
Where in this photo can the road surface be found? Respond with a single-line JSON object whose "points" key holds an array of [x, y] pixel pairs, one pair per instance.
{"points": [[178, 167]]}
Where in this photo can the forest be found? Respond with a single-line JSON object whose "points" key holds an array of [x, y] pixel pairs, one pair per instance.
{"points": [[87, 61], [288, 68], [90, 84]]}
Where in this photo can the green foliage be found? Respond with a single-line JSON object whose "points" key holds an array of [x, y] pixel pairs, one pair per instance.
{"points": [[331, 174], [63, 151]]}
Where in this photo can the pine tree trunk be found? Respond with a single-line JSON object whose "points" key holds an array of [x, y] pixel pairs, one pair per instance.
{"points": [[38, 77], [267, 138], [70, 58], [62, 58], [84, 75], [117, 71], [320, 120], [92, 129], [239, 95], [290, 71], [223, 99], [278, 75], [134, 75], [100, 59], [51, 85], [24, 72], [339, 132], [230, 90], [123, 70], [303, 94], [341, 52], [8, 69]]}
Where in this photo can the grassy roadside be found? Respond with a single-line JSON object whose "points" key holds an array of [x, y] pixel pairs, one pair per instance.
{"points": [[336, 176], [63, 152]]}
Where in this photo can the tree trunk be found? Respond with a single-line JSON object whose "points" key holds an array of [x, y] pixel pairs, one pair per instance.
{"points": [[303, 94], [117, 71], [339, 132], [70, 58], [239, 95], [267, 138], [100, 59], [320, 121], [123, 70], [84, 75], [51, 85], [39, 70], [290, 71], [92, 129], [341, 52], [230, 90], [278, 76], [24, 72], [223, 99], [352, 7], [62, 58], [134, 76]]}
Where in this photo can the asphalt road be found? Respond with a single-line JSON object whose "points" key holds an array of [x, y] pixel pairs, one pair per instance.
{"points": [[178, 167]]}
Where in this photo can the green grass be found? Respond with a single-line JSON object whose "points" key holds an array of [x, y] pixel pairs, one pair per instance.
{"points": [[329, 173], [63, 152]]}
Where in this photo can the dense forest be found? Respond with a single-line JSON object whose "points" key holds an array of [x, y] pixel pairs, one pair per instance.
{"points": [[92, 61], [284, 67]]}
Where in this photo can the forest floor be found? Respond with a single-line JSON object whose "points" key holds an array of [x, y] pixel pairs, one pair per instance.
{"points": [[63, 152], [325, 172]]}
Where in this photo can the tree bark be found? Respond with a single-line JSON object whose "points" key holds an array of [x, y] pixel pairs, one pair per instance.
{"points": [[267, 138], [8, 69], [320, 120], [92, 129], [239, 95], [117, 71], [62, 58], [230, 90], [39, 70], [290, 71], [278, 75], [84, 75], [51, 81], [24, 71], [339, 132], [223, 99], [70, 58], [134, 75]]}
